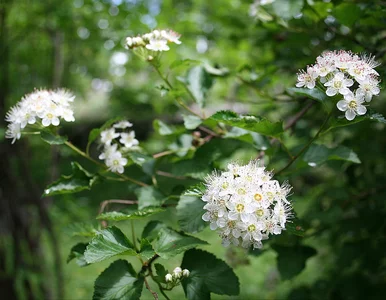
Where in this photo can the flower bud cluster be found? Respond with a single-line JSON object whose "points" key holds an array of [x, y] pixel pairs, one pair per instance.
{"points": [[245, 205], [157, 40], [40, 108], [175, 278], [345, 74], [116, 143]]}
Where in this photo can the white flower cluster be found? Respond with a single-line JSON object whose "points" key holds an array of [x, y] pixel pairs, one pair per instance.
{"points": [[157, 40], [244, 205], [116, 145], [175, 278], [40, 108], [347, 74]]}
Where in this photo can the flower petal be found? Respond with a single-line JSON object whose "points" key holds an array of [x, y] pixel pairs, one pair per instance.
{"points": [[350, 114], [342, 105]]}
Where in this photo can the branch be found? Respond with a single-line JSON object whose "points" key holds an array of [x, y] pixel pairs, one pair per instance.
{"points": [[300, 114], [107, 202], [155, 295]]}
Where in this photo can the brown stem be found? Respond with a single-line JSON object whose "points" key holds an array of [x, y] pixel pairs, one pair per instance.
{"points": [[166, 174], [155, 295], [300, 114], [107, 202]]}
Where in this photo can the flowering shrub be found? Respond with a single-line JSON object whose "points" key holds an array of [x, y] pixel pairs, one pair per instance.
{"points": [[243, 203], [346, 74]]}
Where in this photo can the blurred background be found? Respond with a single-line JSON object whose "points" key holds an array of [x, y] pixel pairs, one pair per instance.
{"points": [[79, 44]]}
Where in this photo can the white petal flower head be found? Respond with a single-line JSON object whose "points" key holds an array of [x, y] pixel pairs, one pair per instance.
{"points": [[352, 105], [116, 162], [370, 87], [171, 36], [168, 277], [128, 139], [108, 135], [338, 84], [158, 45], [308, 78], [245, 205]]}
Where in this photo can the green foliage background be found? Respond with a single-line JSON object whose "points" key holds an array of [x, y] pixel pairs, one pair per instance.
{"points": [[78, 44]]}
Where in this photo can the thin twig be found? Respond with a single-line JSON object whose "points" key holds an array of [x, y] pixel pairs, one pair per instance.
{"points": [[166, 174], [155, 295], [107, 202], [208, 131], [306, 146], [300, 114]]}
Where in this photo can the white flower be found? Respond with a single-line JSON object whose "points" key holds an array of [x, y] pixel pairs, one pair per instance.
{"points": [[185, 272], [369, 87], [171, 36], [338, 84], [41, 107], [157, 45], [168, 278], [352, 105], [245, 205], [307, 79], [128, 139], [122, 124], [177, 272], [108, 135], [108, 151], [115, 162]]}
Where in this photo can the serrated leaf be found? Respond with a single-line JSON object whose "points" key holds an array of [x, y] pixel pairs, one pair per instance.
{"points": [[79, 180], [191, 122], [259, 141], [318, 154], [342, 121], [196, 190], [161, 273], [287, 9], [170, 243], [78, 252], [147, 251], [291, 260], [144, 161], [118, 281], [150, 232], [249, 122], [149, 196], [108, 243], [314, 94], [198, 82], [208, 274], [81, 229], [189, 214], [52, 139], [121, 216]]}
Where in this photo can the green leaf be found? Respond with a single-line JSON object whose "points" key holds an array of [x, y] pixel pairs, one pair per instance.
{"points": [[214, 71], [295, 227], [161, 273], [287, 9], [169, 243], [81, 229], [147, 251], [314, 94], [95, 133], [208, 274], [189, 214], [118, 281], [108, 243], [144, 161], [291, 260], [347, 13], [183, 63], [52, 139], [342, 121], [191, 122], [162, 128], [249, 122], [78, 252], [259, 141], [149, 196], [198, 82], [318, 154], [196, 190], [150, 232], [121, 216], [79, 180]]}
